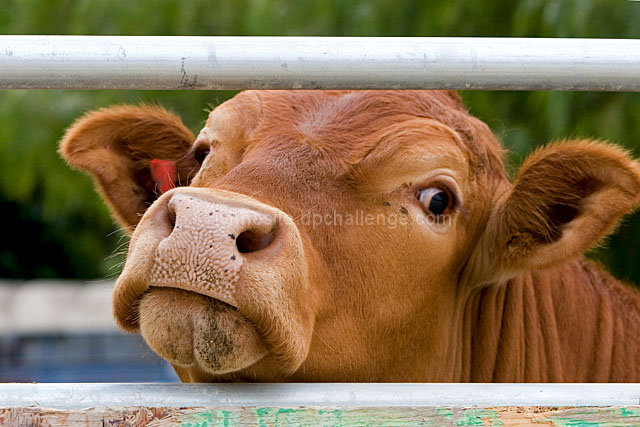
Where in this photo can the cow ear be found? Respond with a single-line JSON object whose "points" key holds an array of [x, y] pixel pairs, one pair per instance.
{"points": [[566, 198], [133, 153]]}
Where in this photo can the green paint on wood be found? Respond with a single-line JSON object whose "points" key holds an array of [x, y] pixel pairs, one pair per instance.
{"points": [[624, 412], [597, 417], [219, 418], [261, 414], [573, 422], [447, 413], [475, 417], [198, 419], [389, 416], [287, 417], [228, 418], [331, 417]]}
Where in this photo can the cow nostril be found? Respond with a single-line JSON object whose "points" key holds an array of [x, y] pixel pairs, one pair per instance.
{"points": [[171, 218], [166, 220], [253, 240]]}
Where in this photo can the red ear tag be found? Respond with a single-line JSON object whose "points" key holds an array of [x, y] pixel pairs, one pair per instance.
{"points": [[164, 174]]}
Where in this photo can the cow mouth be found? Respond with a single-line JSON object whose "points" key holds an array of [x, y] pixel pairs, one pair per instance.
{"points": [[196, 331], [209, 305]]}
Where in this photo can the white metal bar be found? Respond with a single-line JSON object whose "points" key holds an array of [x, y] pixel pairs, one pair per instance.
{"points": [[70, 396], [114, 62]]}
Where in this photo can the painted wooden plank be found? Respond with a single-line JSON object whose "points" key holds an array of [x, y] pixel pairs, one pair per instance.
{"points": [[325, 416], [319, 404]]}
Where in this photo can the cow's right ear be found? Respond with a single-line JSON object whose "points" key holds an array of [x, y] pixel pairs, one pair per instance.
{"points": [[131, 152]]}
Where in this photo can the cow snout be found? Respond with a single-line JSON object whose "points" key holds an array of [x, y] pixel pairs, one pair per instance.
{"points": [[208, 243], [216, 281]]}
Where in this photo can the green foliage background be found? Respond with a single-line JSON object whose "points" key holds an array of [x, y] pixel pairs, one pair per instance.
{"points": [[56, 226]]}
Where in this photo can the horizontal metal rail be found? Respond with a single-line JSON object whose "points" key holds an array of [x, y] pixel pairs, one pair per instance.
{"points": [[114, 62], [70, 396]]}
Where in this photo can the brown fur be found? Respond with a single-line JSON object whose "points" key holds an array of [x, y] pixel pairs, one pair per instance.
{"points": [[499, 293]]}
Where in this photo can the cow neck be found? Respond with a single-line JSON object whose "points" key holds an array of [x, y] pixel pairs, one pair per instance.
{"points": [[573, 323]]}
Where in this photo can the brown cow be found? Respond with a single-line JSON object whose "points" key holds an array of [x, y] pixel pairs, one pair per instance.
{"points": [[362, 236]]}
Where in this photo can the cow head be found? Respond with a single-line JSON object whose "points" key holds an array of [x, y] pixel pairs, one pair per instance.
{"points": [[332, 236]]}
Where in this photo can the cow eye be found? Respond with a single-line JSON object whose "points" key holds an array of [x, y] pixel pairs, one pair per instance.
{"points": [[201, 153], [436, 200]]}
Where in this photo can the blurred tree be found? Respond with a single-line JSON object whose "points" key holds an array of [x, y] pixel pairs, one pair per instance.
{"points": [[58, 227]]}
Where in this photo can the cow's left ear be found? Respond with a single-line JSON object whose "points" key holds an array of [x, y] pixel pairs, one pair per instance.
{"points": [[566, 198], [134, 154]]}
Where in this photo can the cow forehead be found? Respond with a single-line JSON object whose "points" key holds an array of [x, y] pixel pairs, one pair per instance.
{"points": [[346, 126]]}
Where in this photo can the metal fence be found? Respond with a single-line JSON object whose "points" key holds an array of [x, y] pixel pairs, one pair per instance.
{"points": [[114, 62]]}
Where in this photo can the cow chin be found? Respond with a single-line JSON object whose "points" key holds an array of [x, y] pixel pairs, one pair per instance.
{"points": [[193, 331]]}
